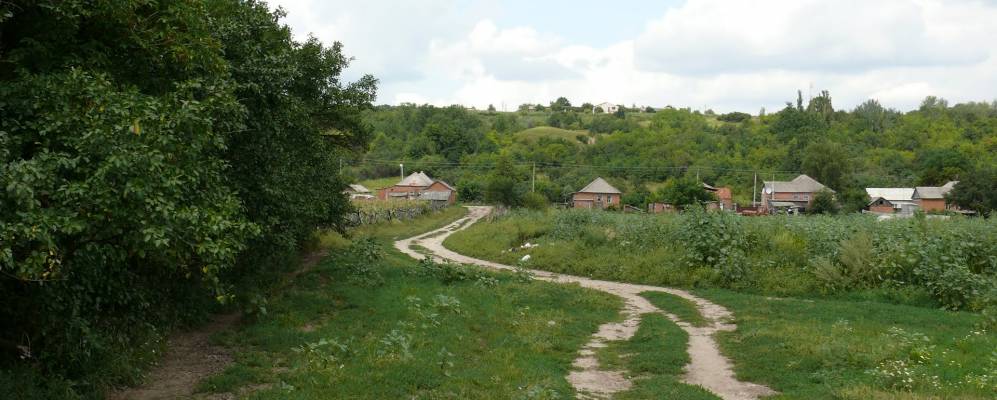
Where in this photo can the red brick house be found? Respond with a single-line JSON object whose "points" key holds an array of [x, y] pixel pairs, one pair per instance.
{"points": [[932, 198], [419, 186], [598, 194], [795, 195], [725, 197], [891, 200]]}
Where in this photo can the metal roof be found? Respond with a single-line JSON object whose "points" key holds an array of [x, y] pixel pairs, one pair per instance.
{"points": [[419, 179], [599, 185], [800, 184], [435, 196], [358, 188], [933, 192], [891, 194]]}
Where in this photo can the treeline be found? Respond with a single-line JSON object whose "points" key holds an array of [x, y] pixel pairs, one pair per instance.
{"points": [[157, 159], [868, 146]]}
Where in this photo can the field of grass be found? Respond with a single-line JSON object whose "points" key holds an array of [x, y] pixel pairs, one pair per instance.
{"points": [[365, 327], [806, 329], [378, 183], [534, 134]]}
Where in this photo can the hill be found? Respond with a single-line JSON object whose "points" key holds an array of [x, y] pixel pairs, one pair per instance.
{"points": [[534, 134]]}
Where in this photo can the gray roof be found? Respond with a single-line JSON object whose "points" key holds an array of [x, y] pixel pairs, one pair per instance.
{"points": [[933, 192], [358, 188], [891, 194], [599, 185], [800, 184], [419, 179], [435, 196]]}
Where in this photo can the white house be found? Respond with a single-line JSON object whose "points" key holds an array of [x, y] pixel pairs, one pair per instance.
{"points": [[607, 108]]}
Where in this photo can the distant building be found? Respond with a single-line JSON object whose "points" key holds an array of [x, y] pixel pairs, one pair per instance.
{"points": [[932, 198], [792, 196], [658, 208], [358, 191], [725, 197], [608, 108], [891, 200], [598, 194], [419, 186]]}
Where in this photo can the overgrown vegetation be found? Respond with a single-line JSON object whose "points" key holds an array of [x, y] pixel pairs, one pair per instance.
{"points": [[947, 263], [157, 158], [426, 330]]}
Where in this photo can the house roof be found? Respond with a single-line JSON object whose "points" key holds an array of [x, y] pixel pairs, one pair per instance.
{"points": [[419, 179], [933, 192], [891, 194], [599, 185], [358, 188], [800, 184]]}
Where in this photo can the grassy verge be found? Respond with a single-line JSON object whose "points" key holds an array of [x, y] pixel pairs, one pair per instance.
{"points": [[388, 329], [682, 308], [655, 357], [829, 349]]}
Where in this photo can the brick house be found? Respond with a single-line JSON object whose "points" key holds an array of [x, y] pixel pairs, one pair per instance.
{"points": [[725, 197], [419, 186], [795, 195], [891, 200], [932, 198], [598, 194]]}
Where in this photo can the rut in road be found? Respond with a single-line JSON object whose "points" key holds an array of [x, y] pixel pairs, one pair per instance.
{"points": [[708, 367]]}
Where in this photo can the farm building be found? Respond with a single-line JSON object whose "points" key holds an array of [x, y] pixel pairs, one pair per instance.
{"points": [[932, 198], [598, 194], [658, 208], [419, 186], [358, 191], [725, 197], [891, 200], [792, 196]]}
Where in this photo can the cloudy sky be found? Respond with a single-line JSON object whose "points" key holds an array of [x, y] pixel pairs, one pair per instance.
{"points": [[724, 55]]}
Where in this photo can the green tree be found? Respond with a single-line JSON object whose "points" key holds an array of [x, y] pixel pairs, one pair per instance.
{"points": [[823, 203], [827, 162], [977, 191], [561, 104], [683, 192]]}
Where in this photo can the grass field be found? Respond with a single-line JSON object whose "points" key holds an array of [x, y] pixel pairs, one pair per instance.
{"points": [[374, 184], [534, 134], [891, 342], [360, 329]]}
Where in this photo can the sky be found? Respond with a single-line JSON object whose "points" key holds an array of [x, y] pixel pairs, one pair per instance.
{"points": [[724, 55]]}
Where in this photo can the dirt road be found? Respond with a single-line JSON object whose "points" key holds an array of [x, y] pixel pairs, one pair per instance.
{"points": [[708, 367]]}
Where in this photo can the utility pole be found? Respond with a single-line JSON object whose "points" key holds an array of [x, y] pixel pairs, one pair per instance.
{"points": [[402, 166], [754, 190], [533, 181]]}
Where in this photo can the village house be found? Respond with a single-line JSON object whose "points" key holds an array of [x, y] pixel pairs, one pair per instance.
{"points": [[419, 186], [792, 196], [358, 191], [891, 200], [932, 198], [608, 108], [598, 194]]}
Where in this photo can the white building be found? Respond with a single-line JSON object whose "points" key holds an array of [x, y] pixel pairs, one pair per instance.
{"points": [[608, 108]]}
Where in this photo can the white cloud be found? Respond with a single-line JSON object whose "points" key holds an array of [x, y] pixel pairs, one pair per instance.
{"points": [[725, 55]]}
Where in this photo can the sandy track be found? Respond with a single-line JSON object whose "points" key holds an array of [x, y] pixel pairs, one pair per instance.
{"points": [[707, 368]]}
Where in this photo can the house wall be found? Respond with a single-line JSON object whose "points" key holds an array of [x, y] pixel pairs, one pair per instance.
{"points": [[657, 208], [883, 209], [383, 193], [437, 186], [788, 196], [932, 204], [601, 200]]}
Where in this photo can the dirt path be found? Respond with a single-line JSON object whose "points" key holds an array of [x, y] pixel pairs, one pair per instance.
{"points": [[190, 357], [707, 368]]}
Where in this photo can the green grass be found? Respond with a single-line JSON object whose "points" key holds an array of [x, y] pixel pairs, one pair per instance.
{"points": [[534, 134], [655, 357], [682, 308], [378, 183], [823, 349], [330, 335]]}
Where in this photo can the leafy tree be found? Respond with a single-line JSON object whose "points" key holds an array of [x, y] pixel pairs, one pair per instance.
{"points": [[491, 108], [599, 110], [561, 104], [649, 109], [938, 166], [823, 203], [586, 107], [735, 117], [683, 192], [977, 191], [620, 112], [827, 162]]}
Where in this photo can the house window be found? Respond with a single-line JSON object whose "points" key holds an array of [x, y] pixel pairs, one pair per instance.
{"points": [[598, 197], [609, 199], [806, 197]]}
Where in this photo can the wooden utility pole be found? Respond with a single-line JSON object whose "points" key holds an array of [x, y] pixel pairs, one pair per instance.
{"points": [[754, 190], [402, 166]]}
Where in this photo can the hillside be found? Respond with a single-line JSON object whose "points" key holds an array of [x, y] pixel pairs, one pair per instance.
{"points": [[534, 134]]}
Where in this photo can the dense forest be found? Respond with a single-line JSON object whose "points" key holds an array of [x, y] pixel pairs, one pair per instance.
{"points": [[157, 159], [487, 154]]}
